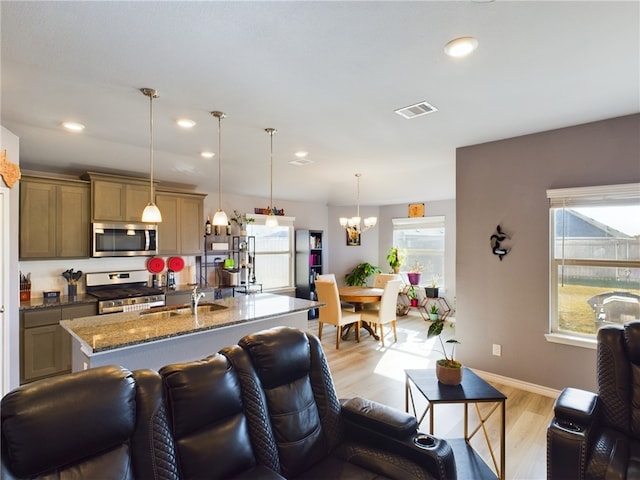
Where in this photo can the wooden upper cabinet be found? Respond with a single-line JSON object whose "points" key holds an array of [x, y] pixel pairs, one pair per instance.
{"points": [[182, 229], [117, 199], [54, 218]]}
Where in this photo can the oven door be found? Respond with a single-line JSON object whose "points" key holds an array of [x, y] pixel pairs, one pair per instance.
{"points": [[124, 240]]}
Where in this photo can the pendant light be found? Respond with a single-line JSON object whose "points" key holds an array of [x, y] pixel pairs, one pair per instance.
{"points": [[151, 212], [352, 225], [271, 221], [220, 218]]}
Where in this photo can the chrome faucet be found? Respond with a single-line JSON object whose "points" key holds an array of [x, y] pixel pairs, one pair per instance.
{"points": [[195, 298]]}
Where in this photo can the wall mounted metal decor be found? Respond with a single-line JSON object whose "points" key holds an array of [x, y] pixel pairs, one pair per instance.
{"points": [[496, 243]]}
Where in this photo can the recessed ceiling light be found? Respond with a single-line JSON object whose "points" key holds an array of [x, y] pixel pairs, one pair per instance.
{"points": [[207, 154], [73, 126], [460, 47], [301, 154], [186, 123]]}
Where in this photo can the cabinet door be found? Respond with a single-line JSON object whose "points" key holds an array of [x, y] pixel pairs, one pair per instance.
{"points": [[37, 219], [109, 201], [168, 230], [137, 198], [40, 356], [72, 225], [191, 226]]}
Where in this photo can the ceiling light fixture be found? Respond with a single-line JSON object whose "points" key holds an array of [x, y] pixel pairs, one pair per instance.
{"points": [[220, 218], [271, 221], [186, 123], [460, 47], [207, 154], [73, 126], [352, 225], [151, 212]]}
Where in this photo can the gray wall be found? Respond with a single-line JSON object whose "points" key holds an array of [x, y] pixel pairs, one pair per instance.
{"points": [[506, 302]]}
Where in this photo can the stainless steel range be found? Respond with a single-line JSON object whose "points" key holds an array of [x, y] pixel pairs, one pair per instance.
{"points": [[125, 291]]}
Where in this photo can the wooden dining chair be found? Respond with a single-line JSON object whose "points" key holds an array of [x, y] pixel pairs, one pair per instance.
{"points": [[332, 313], [387, 311]]}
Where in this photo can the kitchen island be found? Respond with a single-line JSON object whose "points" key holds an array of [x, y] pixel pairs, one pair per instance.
{"points": [[160, 336]]}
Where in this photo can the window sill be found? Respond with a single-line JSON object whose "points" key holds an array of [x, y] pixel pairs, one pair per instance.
{"points": [[572, 340]]}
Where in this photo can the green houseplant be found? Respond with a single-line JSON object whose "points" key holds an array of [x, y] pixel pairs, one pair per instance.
{"points": [[413, 296], [448, 369], [395, 258], [242, 221], [434, 313], [360, 273]]}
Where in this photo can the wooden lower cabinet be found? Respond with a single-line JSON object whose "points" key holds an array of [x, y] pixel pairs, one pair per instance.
{"points": [[45, 346]]}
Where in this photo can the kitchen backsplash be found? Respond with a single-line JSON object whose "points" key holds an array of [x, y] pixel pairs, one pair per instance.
{"points": [[46, 275]]}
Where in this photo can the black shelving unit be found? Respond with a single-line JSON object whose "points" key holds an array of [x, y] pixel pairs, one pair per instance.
{"points": [[308, 264], [241, 249]]}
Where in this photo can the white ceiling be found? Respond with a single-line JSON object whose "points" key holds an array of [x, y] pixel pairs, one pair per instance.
{"points": [[327, 75]]}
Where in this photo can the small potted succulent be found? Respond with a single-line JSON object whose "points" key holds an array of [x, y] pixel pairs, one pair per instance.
{"points": [[434, 313]]}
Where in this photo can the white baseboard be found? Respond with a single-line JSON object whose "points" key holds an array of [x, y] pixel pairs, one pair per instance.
{"points": [[512, 382]]}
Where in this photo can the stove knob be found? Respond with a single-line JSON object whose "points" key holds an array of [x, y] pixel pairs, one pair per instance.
{"points": [[118, 303]]}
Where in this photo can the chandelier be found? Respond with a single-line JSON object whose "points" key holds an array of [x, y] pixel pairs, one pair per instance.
{"points": [[353, 224]]}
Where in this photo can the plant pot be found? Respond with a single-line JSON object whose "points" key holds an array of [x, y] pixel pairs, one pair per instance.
{"points": [[396, 269], [414, 278], [434, 316], [448, 375], [414, 302], [431, 292]]}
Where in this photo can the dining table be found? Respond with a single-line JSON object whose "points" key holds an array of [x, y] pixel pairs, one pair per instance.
{"points": [[358, 296]]}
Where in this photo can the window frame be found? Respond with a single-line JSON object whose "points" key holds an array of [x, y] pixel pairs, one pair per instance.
{"points": [[596, 196], [283, 221]]}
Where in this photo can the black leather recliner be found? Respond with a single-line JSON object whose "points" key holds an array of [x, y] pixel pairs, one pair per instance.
{"points": [[288, 390], [105, 422], [597, 436]]}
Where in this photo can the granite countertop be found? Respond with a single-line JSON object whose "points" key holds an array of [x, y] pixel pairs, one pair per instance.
{"points": [[120, 330], [41, 302]]}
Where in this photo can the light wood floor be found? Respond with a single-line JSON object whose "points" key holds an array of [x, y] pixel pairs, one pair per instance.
{"points": [[368, 370]]}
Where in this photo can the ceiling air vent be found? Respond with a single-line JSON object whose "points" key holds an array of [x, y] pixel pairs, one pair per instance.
{"points": [[413, 111], [300, 161]]}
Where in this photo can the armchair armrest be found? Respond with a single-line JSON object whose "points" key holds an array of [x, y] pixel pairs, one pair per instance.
{"points": [[569, 433], [391, 430]]}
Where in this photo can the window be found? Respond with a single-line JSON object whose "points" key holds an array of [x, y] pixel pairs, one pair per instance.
{"points": [[422, 240], [595, 258], [274, 252]]}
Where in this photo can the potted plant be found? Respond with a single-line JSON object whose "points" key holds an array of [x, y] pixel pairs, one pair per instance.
{"points": [[434, 313], [415, 273], [360, 273], [242, 221], [448, 369], [395, 258], [432, 291], [413, 297]]}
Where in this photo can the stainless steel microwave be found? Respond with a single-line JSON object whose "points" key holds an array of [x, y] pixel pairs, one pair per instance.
{"points": [[124, 240]]}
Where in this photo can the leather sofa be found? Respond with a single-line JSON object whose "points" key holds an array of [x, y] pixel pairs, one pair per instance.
{"points": [[597, 435], [265, 408]]}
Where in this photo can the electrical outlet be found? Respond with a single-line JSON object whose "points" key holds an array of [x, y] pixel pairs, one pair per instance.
{"points": [[497, 350]]}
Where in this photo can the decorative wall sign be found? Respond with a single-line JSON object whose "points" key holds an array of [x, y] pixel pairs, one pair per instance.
{"points": [[496, 243], [416, 210], [353, 237], [10, 171], [265, 211]]}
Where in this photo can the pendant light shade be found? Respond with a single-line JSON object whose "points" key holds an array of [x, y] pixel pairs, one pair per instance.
{"points": [[220, 218], [151, 213], [271, 221]]}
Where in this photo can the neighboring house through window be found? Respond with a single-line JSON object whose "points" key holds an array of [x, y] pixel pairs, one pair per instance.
{"points": [[595, 258]]}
